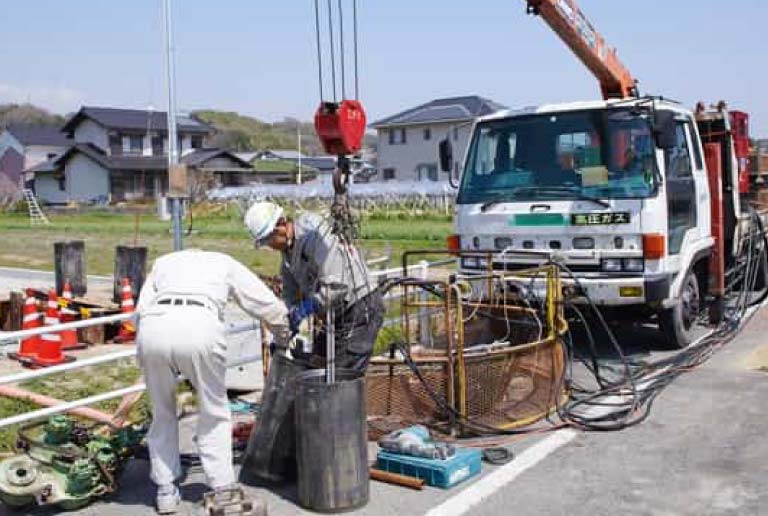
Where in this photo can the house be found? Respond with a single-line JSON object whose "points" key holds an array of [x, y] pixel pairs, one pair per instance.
{"points": [[282, 166], [321, 167], [122, 154], [408, 141], [24, 146]]}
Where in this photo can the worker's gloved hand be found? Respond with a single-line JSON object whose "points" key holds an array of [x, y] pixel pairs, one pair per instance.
{"points": [[301, 311]]}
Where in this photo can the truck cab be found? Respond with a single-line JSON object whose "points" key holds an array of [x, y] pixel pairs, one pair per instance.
{"points": [[615, 190]]}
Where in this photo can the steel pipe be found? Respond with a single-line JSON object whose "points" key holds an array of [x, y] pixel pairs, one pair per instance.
{"points": [[69, 405], [23, 334]]}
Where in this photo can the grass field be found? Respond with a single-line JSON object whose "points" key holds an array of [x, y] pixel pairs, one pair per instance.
{"points": [[32, 247], [28, 247]]}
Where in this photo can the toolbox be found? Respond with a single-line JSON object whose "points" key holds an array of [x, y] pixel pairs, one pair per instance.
{"points": [[436, 472]]}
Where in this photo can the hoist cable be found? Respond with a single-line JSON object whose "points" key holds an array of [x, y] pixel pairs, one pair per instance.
{"points": [[354, 30], [319, 52], [333, 53], [341, 50]]}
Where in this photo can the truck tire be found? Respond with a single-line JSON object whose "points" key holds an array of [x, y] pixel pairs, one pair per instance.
{"points": [[677, 323]]}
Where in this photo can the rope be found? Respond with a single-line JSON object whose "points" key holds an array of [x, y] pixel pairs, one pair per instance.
{"points": [[354, 27], [332, 49], [319, 52], [341, 49], [333, 53]]}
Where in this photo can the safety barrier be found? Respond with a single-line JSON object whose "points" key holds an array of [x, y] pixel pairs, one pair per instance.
{"points": [[8, 339], [92, 361]]}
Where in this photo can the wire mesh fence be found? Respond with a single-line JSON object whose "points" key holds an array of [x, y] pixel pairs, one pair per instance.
{"points": [[387, 199], [476, 358]]}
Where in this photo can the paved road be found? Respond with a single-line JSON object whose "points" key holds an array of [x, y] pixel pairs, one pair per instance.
{"points": [[702, 451]]}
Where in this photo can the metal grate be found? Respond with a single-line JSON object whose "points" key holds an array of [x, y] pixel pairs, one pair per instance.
{"points": [[501, 365]]}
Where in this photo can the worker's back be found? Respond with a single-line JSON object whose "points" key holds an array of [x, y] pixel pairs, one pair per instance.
{"points": [[193, 272]]}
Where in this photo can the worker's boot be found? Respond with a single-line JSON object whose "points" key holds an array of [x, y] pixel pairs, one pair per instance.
{"points": [[168, 499], [231, 501]]}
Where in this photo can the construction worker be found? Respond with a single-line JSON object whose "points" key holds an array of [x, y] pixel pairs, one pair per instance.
{"points": [[322, 271], [181, 330]]}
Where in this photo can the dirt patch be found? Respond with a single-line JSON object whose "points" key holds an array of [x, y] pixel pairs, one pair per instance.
{"points": [[759, 359]]}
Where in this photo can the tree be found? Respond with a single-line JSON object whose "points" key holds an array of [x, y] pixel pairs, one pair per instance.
{"points": [[28, 114]]}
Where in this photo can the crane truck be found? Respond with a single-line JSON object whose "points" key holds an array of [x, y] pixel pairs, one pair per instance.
{"points": [[637, 196]]}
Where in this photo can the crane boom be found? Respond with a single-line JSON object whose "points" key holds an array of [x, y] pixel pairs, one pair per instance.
{"points": [[567, 20]]}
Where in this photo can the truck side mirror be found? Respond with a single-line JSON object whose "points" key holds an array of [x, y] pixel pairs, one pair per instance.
{"points": [[664, 129], [446, 156]]}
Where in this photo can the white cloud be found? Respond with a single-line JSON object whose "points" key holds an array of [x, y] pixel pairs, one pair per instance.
{"points": [[58, 99]]}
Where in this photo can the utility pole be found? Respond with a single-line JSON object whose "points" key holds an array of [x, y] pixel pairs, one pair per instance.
{"points": [[298, 139], [173, 144]]}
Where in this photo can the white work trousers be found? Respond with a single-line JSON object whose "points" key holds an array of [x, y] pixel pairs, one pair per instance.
{"points": [[189, 340]]}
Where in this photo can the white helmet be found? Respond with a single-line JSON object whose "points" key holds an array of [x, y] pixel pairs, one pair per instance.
{"points": [[261, 219]]}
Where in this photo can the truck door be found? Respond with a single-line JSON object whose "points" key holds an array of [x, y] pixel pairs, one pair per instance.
{"points": [[681, 190]]}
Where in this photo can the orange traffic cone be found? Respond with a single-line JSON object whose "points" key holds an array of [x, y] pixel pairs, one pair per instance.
{"points": [[31, 345], [50, 343], [127, 332], [68, 337]]}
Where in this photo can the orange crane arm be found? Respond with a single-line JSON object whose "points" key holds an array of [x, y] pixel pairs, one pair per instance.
{"points": [[567, 20]]}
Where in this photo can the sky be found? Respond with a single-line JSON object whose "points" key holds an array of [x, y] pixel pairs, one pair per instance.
{"points": [[258, 57]]}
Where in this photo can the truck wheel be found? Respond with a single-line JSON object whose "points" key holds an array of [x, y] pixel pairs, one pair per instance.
{"points": [[677, 322]]}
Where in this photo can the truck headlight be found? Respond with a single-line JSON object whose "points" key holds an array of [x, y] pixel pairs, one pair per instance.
{"points": [[611, 265], [633, 264]]}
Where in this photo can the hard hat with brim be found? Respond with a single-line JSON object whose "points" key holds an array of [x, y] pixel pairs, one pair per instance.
{"points": [[261, 219]]}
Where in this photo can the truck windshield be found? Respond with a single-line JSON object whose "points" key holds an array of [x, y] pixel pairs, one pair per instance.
{"points": [[599, 154]]}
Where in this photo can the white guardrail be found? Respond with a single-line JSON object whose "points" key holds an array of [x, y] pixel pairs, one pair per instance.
{"points": [[13, 338]]}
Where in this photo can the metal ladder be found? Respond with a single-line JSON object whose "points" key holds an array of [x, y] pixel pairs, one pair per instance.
{"points": [[36, 215]]}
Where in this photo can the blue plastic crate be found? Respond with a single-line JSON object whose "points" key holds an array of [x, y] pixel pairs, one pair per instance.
{"points": [[438, 473]]}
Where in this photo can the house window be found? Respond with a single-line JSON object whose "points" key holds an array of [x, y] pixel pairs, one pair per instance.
{"points": [[157, 145], [388, 174], [397, 136], [427, 172], [115, 144], [197, 141], [62, 180], [427, 133], [135, 143]]}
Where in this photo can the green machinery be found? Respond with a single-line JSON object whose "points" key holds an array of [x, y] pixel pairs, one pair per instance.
{"points": [[64, 463]]}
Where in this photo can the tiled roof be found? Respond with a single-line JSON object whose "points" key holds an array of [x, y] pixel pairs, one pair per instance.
{"points": [[195, 158], [135, 119], [45, 166], [442, 110], [30, 134]]}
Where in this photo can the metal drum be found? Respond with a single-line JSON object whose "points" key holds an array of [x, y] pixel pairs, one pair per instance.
{"points": [[331, 444], [271, 452]]}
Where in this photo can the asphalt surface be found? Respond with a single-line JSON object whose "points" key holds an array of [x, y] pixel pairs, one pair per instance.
{"points": [[702, 451]]}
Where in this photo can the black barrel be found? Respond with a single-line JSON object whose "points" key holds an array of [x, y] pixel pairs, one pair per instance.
{"points": [[271, 452], [331, 444], [69, 265], [131, 263]]}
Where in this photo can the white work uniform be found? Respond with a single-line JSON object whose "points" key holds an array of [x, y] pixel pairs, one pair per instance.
{"points": [[180, 330]]}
